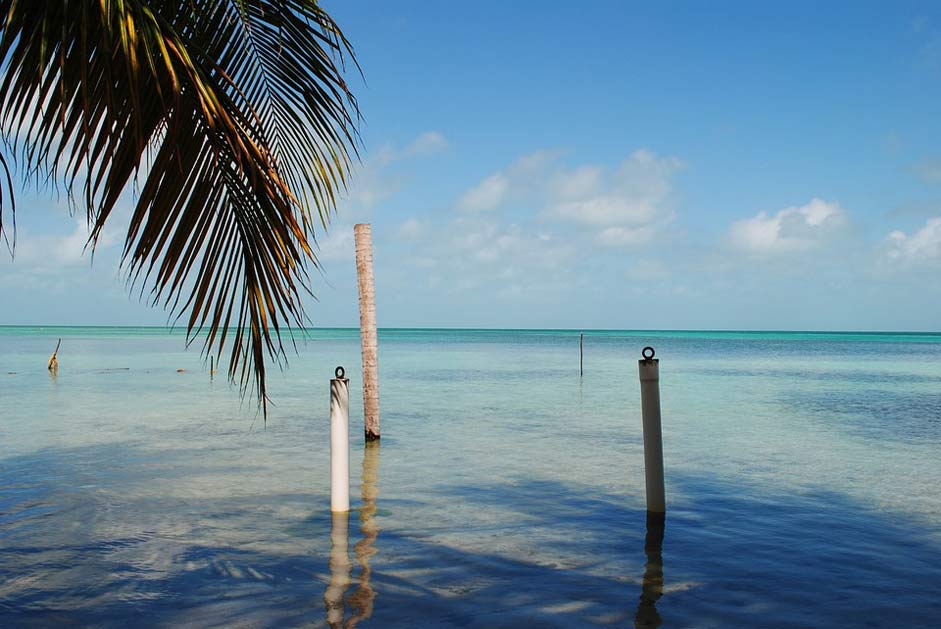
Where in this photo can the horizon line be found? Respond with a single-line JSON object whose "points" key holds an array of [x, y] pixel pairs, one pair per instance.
{"points": [[501, 329]]}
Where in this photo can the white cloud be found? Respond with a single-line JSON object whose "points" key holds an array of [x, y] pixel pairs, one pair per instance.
{"points": [[925, 244], [486, 195], [513, 248], [478, 253], [606, 210], [49, 252], [428, 143], [370, 186], [619, 207], [534, 164], [625, 206], [579, 183], [791, 229], [338, 245], [526, 179], [377, 179], [552, 219], [635, 194], [624, 236], [412, 229]]}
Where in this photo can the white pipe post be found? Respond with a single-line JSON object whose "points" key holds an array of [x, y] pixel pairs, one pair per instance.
{"points": [[339, 442], [649, 368]]}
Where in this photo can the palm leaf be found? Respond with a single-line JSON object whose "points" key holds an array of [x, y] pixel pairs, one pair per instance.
{"points": [[232, 116]]}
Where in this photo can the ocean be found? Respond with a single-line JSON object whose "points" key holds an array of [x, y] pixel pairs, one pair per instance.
{"points": [[803, 480]]}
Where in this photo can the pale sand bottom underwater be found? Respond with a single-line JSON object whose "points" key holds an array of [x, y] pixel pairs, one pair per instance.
{"points": [[506, 491]]}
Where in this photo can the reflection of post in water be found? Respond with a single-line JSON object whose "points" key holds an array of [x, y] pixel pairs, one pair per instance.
{"points": [[652, 588], [362, 599], [341, 569]]}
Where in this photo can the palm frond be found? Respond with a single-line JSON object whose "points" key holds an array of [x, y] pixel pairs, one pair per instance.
{"points": [[7, 182], [235, 117]]}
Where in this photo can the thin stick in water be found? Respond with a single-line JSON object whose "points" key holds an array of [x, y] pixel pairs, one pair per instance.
{"points": [[53, 365]]}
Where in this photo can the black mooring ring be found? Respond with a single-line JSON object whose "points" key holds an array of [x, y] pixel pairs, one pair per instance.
{"points": [[644, 353], [340, 372]]}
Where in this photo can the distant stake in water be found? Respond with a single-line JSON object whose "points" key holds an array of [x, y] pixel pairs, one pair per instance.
{"points": [[53, 365], [649, 368], [339, 442], [581, 362]]}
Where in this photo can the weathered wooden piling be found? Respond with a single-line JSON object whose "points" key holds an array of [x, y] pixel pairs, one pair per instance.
{"points": [[367, 329], [581, 353]]}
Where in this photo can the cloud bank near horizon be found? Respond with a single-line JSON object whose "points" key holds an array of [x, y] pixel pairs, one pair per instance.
{"points": [[548, 240]]}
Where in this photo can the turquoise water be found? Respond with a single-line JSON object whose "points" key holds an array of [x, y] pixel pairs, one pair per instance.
{"points": [[803, 475]]}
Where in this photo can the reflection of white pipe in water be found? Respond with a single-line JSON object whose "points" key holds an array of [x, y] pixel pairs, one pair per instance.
{"points": [[341, 569], [339, 443], [653, 439], [652, 587]]}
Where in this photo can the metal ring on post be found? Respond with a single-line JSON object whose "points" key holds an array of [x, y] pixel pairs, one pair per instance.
{"points": [[339, 373], [644, 353]]}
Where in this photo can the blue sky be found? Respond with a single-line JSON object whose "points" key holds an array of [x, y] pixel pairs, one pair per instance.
{"points": [[608, 165]]}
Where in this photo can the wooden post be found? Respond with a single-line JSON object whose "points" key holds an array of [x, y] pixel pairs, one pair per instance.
{"points": [[212, 367], [367, 329], [581, 362], [649, 368]]}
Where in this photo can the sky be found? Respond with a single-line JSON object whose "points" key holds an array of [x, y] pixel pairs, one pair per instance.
{"points": [[617, 165]]}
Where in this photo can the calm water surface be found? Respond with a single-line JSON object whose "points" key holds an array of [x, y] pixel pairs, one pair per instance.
{"points": [[803, 482]]}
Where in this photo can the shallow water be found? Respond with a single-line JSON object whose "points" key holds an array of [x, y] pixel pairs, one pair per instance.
{"points": [[803, 476]]}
